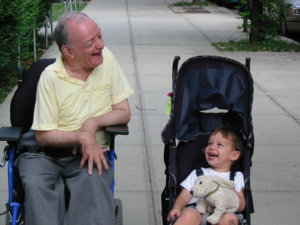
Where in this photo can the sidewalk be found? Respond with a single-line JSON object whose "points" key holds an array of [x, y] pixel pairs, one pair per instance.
{"points": [[145, 35]]}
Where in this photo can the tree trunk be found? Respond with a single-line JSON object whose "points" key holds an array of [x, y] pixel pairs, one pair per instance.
{"points": [[257, 26]]}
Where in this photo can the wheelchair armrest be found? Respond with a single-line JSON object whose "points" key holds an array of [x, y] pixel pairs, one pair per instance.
{"points": [[10, 133], [121, 129]]}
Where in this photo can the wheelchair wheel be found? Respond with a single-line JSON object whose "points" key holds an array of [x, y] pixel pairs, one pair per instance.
{"points": [[119, 212], [20, 220], [7, 219]]}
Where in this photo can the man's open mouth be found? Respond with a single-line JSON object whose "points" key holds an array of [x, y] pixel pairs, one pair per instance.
{"points": [[96, 54]]}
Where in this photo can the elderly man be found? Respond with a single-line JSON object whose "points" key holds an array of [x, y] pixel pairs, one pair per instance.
{"points": [[77, 96]]}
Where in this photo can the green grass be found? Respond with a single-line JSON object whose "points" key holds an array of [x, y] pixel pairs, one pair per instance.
{"points": [[59, 8], [184, 3], [245, 45]]}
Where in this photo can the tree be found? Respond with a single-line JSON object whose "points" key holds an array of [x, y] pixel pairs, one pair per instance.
{"points": [[257, 26], [266, 16]]}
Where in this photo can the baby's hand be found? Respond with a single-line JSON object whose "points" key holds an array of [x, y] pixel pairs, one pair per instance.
{"points": [[173, 215]]}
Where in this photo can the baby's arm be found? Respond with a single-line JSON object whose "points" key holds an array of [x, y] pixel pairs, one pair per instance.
{"points": [[242, 200], [181, 201]]}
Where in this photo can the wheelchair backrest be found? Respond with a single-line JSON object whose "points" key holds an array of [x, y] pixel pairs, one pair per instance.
{"points": [[23, 101]]}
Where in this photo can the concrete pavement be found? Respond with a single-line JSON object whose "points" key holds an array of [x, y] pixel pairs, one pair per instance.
{"points": [[145, 35]]}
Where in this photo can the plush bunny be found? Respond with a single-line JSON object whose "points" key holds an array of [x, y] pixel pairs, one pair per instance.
{"points": [[217, 197]]}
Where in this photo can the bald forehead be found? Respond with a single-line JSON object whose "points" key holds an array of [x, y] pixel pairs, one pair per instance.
{"points": [[80, 23], [82, 29]]}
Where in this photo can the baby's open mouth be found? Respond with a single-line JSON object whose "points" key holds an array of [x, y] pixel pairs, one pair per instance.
{"points": [[211, 154]]}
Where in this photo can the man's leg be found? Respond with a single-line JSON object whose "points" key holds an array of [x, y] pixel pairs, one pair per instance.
{"points": [[91, 200], [44, 189]]}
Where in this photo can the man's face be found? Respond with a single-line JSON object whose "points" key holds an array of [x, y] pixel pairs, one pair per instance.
{"points": [[86, 43]]}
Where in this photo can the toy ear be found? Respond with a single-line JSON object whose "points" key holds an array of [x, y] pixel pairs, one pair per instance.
{"points": [[223, 182]]}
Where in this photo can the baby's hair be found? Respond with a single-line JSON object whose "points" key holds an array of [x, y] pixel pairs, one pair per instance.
{"points": [[233, 135]]}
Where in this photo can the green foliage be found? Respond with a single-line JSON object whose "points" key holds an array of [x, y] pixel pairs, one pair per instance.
{"points": [[185, 3], [271, 17], [58, 9], [182, 3], [18, 19], [269, 45]]}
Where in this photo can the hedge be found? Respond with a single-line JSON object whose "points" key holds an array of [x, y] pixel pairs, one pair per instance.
{"points": [[18, 18]]}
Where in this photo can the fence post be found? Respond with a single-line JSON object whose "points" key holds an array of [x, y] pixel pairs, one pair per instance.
{"points": [[19, 52], [34, 44], [51, 23], [46, 31]]}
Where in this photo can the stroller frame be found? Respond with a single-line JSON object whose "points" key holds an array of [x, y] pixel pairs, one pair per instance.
{"points": [[15, 134], [181, 133]]}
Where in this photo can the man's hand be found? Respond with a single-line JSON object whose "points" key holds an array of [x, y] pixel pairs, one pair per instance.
{"points": [[92, 153]]}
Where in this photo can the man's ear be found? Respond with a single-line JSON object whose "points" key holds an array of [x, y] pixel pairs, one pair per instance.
{"points": [[235, 155], [67, 51]]}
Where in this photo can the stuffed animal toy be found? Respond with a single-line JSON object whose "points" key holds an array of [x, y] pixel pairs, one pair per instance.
{"points": [[217, 197]]}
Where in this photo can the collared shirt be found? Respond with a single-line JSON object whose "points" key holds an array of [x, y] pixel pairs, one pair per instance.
{"points": [[64, 102]]}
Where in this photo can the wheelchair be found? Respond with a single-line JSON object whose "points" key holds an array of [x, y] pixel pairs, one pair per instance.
{"points": [[19, 137], [207, 92]]}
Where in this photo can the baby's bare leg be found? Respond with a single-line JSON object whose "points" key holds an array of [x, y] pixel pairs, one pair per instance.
{"points": [[189, 216], [228, 219]]}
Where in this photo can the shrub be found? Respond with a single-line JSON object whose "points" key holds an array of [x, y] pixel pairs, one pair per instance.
{"points": [[18, 19]]}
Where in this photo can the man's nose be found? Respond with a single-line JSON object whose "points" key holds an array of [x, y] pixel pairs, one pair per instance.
{"points": [[100, 43]]}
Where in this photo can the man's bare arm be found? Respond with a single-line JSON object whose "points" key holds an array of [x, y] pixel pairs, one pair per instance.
{"points": [[86, 136], [120, 114]]}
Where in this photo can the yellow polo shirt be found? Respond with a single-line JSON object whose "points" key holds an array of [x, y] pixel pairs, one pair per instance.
{"points": [[65, 102]]}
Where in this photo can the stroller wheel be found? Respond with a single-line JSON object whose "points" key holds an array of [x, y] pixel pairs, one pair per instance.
{"points": [[119, 212]]}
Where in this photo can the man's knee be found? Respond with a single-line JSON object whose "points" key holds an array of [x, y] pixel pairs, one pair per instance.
{"points": [[106, 178]]}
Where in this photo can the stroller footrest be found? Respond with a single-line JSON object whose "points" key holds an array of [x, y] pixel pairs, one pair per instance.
{"points": [[10, 133]]}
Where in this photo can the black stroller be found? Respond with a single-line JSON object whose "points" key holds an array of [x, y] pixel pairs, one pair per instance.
{"points": [[19, 137], [208, 92]]}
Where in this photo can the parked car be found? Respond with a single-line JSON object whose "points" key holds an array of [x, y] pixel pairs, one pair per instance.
{"points": [[291, 25]]}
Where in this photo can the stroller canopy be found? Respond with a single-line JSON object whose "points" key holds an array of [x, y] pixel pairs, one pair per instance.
{"points": [[204, 83]]}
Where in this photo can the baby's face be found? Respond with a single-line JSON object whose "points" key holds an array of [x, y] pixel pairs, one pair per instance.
{"points": [[219, 152]]}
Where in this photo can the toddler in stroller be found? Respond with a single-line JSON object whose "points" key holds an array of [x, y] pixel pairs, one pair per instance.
{"points": [[207, 92], [223, 149]]}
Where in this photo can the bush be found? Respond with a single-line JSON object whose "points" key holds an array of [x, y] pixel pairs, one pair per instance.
{"points": [[18, 19], [266, 17]]}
